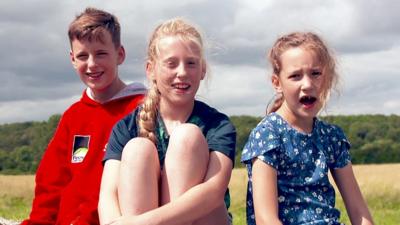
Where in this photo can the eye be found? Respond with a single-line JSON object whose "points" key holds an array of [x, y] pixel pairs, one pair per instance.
{"points": [[81, 56], [171, 63], [192, 63], [295, 76], [316, 73], [102, 54]]}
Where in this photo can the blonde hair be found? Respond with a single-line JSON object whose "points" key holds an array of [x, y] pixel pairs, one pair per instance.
{"points": [[307, 41], [176, 27], [91, 25]]}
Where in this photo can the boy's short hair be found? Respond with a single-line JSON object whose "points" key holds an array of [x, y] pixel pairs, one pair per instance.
{"points": [[91, 25]]}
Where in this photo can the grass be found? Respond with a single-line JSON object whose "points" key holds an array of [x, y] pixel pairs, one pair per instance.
{"points": [[380, 185], [16, 193]]}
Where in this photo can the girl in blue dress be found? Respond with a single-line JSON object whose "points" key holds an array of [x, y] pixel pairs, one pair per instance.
{"points": [[289, 153]]}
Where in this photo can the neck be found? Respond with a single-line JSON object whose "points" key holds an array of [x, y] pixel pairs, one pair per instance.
{"points": [[102, 96], [302, 124], [174, 115]]}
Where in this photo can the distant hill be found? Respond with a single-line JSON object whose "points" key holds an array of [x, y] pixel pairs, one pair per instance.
{"points": [[374, 139], [22, 144]]}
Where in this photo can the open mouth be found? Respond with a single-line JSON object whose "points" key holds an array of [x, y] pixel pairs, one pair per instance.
{"points": [[181, 86], [308, 100]]}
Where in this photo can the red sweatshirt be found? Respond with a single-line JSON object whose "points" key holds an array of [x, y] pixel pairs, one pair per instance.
{"points": [[68, 177]]}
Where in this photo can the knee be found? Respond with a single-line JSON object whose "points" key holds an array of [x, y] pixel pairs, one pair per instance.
{"points": [[187, 132], [187, 139], [139, 149]]}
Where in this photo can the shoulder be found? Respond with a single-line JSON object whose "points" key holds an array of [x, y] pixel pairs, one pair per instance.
{"points": [[335, 142], [74, 109], [124, 130], [132, 92], [332, 136], [210, 116], [265, 140], [129, 121], [203, 109], [271, 124], [330, 130], [80, 105]]}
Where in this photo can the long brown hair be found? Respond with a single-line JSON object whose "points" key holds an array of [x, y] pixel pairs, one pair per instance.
{"points": [[176, 27], [308, 41]]}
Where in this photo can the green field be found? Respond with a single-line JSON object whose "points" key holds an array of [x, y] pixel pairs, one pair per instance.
{"points": [[380, 185]]}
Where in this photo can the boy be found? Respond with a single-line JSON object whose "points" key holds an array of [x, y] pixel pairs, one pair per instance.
{"points": [[68, 177]]}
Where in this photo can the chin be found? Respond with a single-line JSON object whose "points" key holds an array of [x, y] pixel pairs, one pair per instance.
{"points": [[308, 113]]}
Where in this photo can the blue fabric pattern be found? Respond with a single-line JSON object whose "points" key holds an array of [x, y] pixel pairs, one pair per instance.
{"points": [[302, 161]]}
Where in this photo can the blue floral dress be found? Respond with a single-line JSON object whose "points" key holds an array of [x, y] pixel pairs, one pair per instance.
{"points": [[302, 161]]}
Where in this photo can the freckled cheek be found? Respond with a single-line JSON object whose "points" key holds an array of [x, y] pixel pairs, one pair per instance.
{"points": [[164, 72]]}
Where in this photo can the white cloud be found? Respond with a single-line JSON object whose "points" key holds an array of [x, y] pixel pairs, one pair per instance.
{"points": [[28, 110], [392, 105], [35, 68], [237, 90]]}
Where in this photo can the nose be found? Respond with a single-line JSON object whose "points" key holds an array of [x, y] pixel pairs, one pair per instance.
{"points": [[306, 82], [181, 70], [91, 62]]}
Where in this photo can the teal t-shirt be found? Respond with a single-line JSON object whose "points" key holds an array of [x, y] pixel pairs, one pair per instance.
{"points": [[216, 127]]}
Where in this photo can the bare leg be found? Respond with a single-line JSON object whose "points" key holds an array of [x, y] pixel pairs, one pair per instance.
{"points": [[139, 177], [186, 162], [186, 165], [219, 216]]}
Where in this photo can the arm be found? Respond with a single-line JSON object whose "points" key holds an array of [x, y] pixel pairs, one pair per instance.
{"points": [[265, 193], [193, 204], [108, 200], [355, 205], [89, 197], [87, 212], [52, 176]]}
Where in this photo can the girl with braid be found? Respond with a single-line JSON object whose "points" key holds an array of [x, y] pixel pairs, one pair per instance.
{"points": [[170, 161]]}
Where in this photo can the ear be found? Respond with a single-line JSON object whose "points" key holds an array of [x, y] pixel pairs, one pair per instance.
{"points": [[72, 58], [276, 83], [121, 55], [150, 71], [203, 70]]}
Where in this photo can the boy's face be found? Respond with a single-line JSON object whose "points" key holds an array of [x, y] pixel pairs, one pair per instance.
{"points": [[97, 62]]}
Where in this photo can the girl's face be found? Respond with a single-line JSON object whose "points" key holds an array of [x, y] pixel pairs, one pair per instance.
{"points": [[301, 82], [179, 68]]}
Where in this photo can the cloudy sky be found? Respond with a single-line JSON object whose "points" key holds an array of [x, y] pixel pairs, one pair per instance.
{"points": [[37, 79]]}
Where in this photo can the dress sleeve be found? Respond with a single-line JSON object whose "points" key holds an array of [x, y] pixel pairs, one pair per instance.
{"points": [[341, 149], [263, 143]]}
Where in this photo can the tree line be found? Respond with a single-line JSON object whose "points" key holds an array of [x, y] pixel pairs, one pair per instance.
{"points": [[374, 139]]}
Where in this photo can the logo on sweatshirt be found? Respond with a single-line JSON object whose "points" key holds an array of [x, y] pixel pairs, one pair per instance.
{"points": [[80, 148]]}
